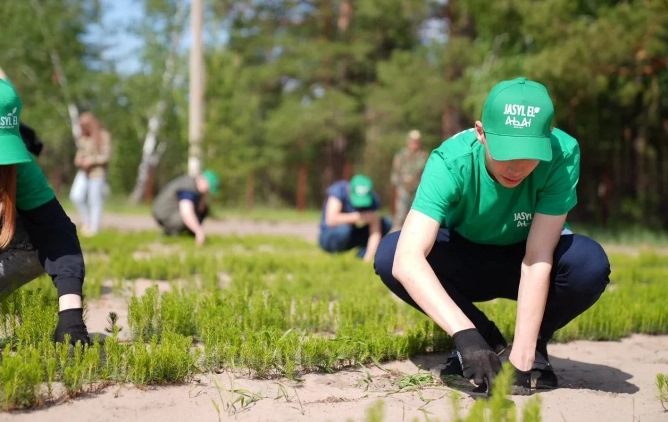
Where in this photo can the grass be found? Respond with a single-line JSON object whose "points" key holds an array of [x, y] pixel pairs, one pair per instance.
{"points": [[270, 307], [625, 235], [120, 205], [662, 387]]}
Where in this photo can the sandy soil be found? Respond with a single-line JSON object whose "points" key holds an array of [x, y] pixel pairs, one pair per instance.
{"points": [[599, 381]]}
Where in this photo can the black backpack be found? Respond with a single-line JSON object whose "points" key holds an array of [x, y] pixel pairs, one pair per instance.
{"points": [[30, 138]]}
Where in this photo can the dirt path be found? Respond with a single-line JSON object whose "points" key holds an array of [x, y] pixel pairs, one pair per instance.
{"points": [[230, 226]]}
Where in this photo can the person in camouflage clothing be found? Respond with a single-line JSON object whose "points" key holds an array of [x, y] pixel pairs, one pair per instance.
{"points": [[407, 167]]}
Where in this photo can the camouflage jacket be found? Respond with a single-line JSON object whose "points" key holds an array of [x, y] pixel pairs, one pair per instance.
{"points": [[407, 169]]}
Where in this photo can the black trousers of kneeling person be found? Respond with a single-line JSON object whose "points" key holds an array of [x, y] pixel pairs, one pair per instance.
{"points": [[174, 225], [471, 272]]}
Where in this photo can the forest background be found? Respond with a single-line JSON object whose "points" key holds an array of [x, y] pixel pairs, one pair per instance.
{"points": [[301, 93]]}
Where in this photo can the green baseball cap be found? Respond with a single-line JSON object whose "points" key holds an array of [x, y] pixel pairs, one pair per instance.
{"points": [[12, 148], [517, 119], [214, 181], [361, 191]]}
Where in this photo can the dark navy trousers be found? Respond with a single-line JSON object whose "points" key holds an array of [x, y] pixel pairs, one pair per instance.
{"points": [[471, 272], [348, 236]]}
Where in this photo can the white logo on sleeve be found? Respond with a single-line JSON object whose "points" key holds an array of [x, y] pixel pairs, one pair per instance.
{"points": [[10, 121], [523, 219], [519, 115]]}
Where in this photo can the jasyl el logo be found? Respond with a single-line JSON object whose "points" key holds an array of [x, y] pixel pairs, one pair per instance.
{"points": [[517, 111], [10, 121]]}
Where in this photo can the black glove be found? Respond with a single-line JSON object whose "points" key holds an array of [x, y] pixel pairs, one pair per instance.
{"points": [[70, 321], [521, 382], [479, 362]]}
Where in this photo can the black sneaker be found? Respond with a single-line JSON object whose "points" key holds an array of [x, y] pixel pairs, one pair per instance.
{"points": [[542, 372], [453, 366], [545, 376]]}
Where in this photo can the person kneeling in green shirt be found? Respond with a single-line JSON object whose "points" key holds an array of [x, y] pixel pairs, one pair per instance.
{"points": [[489, 221], [36, 235]]}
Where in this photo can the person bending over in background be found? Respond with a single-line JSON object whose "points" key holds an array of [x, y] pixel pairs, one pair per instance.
{"points": [[350, 218], [407, 167], [183, 203], [488, 221], [35, 232], [90, 184]]}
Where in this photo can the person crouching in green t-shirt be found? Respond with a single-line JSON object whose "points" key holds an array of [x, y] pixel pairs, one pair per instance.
{"points": [[489, 221], [36, 235]]}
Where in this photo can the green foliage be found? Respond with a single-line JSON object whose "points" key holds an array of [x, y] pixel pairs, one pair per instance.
{"points": [[144, 317], [20, 375], [273, 307], [23, 319], [288, 308], [314, 87], [168, 361]]}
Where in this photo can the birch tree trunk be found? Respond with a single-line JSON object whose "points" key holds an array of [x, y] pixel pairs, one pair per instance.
{"points": [[152, 150]]}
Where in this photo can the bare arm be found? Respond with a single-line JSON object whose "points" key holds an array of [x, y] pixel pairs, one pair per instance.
{"points": [[534, 286], [334, 215], [187, 211], [416, 275], [375, 234]]}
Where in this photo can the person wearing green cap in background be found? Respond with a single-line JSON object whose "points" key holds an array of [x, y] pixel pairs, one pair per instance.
{"points": [[350, 218], [35, 232], [183, 204], [489, 221]]}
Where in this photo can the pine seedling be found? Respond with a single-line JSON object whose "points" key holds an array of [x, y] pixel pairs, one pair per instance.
{"points": [[74, 372], [20, 377], [139, 363], [376, 412], [63, 355], [143, 315], [662, 386], [50, 367], [91, 363], [113, 327], [116, 362], [239, 400]]}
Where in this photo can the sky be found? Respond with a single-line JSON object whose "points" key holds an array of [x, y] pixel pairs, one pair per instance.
{"points": [[123, 46]]}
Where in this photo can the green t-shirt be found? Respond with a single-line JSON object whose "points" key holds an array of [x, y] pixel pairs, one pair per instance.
{"points": [[457, 191], [32, 188]]}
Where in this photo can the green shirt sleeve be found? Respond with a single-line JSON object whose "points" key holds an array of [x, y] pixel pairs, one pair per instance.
{"points": [[559, 194], [32, 188], [438, 189]]}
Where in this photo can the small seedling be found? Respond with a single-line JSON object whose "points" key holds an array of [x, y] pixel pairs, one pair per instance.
{"points": [[239, 400], [113, 327], [662, 386], [283, 394], [416, 381]]}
